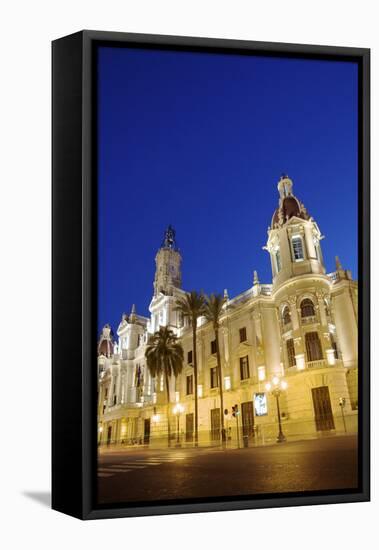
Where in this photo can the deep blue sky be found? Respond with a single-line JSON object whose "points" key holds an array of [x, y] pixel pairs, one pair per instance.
{"points": [[199, 141]]}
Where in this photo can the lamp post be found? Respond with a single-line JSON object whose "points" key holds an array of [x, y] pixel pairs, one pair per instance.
{"points": [[342, 403], [276, 387], [177, 410]]}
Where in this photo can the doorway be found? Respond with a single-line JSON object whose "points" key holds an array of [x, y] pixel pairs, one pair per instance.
{"points": [[109, 435], [146, 431], [189, 427], [247, 418], [215, 424], [322, 408]]}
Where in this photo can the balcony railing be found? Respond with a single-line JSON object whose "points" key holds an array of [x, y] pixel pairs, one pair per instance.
{"points": [[320, 364], [309, 320], [287, 326], [266, 290]]}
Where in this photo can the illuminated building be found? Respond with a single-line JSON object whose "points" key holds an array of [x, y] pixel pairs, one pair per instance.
{"points": [[302, 326]]}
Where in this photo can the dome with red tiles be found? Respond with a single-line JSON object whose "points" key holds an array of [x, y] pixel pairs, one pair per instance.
{"points": [[289, 205], [105, 344]]}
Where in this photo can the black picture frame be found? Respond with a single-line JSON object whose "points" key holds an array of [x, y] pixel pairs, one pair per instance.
{"points": [[74, 253]]}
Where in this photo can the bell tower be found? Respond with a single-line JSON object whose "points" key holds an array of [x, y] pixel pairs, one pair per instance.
{"points": [[293, 238], [168, 261]]}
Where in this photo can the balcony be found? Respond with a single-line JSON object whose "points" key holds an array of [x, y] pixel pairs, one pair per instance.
{"points": [[309, 320], [320, 364], [287, 326]]}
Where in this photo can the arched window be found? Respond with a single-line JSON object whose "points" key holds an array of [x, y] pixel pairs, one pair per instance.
{"points": [[286, 315], [307, 308]]}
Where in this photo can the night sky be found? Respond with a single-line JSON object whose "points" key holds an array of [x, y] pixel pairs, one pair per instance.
{"points": [[200, 141]]}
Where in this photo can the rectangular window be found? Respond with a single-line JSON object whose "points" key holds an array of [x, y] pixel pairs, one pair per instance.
{"points": [[243, 336], [316, 245], [189, 357], [291, 353], [180, 319], [244, 367], [213, 347], [313, 346], [227, 383], [114, 399], [189, 385], [334, 346], [297, 247], [214, 377], [200, 390]]}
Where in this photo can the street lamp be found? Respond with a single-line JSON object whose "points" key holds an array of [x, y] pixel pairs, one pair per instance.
{"points": [[276, 386], [342, 403], [177, 410]]}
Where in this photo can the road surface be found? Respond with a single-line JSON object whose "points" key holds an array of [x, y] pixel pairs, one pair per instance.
{"points": [[139, 474]]}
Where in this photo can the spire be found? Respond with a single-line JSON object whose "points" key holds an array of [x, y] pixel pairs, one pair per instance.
{"points": [[256, 285], [338, 264], [226, 295], [132, 316], [169, 238]]}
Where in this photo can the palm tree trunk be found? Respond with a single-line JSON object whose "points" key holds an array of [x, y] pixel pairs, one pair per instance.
{"points": [[168, 411], [194, 325], [220, 383]]}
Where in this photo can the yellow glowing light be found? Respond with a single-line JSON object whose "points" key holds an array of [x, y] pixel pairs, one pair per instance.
{"points": [[275, 380], [155, 418], [284, 385], [178, 408], [268, 386], [261, 373]]}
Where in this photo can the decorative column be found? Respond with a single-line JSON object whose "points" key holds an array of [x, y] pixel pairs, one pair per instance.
{"points": [[260, 354], [225, 333]]}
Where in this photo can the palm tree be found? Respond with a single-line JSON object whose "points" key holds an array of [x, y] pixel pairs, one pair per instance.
{"points": [[164, 356], [213, 310], [192, 306]]}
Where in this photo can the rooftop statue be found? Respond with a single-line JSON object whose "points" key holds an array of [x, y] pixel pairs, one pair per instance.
{"points": [[169, 238]]}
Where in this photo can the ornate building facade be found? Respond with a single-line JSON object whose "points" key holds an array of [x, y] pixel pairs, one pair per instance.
{"points": [[301, 327]]}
